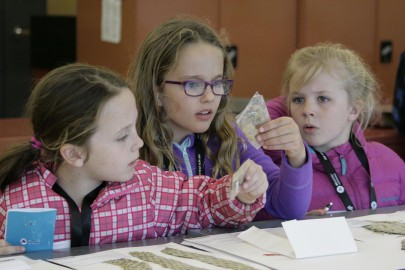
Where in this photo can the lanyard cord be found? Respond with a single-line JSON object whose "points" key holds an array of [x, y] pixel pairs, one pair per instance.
{"points": [[199, 157], [80, 221], [337, 183]]}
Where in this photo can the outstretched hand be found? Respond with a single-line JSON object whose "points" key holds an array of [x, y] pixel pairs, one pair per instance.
{"points": [[6, 249], [283, 134], [251, 182]]}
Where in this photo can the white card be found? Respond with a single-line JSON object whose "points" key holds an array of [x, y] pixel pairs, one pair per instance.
{"points": [[306, 238], [319, 237]]}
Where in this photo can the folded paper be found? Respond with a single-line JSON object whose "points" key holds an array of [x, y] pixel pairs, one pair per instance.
{"points": [[305, 238]]}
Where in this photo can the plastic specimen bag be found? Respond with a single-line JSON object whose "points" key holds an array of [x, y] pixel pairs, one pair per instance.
{"points": [[254, 115]]}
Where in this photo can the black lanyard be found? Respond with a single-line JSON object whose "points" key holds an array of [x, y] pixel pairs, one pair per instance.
{"points": [[335, 180], [80, 221], [199, 156]]}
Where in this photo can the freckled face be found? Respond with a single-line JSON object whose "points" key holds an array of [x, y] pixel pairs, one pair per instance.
{"points": [[187, 115], [322, 111], [114, 148]]}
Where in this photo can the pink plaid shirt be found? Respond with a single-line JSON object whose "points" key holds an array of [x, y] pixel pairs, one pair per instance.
{"points": [[152, 204]]}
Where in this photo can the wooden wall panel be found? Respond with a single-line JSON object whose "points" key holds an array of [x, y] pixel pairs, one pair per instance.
{"points": [[345, 21], [151, 13], [264, 32], [391, 26], [90, 48], [14, 131], [138, 18]]}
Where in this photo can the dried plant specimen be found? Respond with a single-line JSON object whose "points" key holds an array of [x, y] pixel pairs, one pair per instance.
{"points": [[238, 177], [127, 264], [168, 263], [207, 259], [390, 227]]}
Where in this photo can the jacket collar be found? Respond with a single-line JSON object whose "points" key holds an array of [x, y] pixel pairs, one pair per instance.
{"points": [[343, 149]]}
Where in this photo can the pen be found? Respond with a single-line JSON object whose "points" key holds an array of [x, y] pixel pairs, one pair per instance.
{"points": [[328, 206]]}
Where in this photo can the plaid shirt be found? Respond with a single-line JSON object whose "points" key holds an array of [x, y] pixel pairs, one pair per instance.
{"points": [[152, 204]]}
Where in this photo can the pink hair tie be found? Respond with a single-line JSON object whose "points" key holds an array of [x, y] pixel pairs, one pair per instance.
{"points": [[35, 143]]}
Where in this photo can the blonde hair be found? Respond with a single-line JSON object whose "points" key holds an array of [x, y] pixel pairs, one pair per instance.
{"points": [[359, 81], [156, 57]]}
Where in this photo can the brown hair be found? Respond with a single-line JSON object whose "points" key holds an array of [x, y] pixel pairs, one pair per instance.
{"points": [[63, 108], [157, 56]]}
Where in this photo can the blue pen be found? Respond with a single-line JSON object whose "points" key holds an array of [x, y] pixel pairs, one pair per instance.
{"points": [[328, 206]]}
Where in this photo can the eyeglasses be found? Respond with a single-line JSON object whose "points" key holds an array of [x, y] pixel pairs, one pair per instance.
{"points": [[197, 88]]}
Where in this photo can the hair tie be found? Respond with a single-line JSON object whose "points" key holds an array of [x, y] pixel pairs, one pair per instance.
{"points": [[35, 143]]}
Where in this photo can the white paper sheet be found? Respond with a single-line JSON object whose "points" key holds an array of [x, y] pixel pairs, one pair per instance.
{"points": [[21, 262], [4, 261], [306, 238], [44, 265], [363, 235], [319, 237], [96, 261], [111, 20], [267, 241], [375, 250], [12, 264]]}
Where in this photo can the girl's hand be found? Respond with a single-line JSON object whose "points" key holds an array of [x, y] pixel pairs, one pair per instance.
{"points": [[254, 183], [320, 212], [6, 249], [317, 212], [283, 134]]}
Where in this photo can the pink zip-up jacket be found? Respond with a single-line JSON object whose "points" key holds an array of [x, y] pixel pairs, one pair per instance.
{"points": [[154, 203], [387, 171]]}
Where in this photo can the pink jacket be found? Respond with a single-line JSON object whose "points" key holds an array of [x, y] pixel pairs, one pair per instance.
{"points": [[152, 204], [387, 171]]}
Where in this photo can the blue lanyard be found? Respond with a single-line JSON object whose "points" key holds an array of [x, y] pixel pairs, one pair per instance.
{"points": [[199, 157]]}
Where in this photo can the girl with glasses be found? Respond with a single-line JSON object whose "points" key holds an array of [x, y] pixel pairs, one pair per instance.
{"points": [[182, 79], [84, 161]]}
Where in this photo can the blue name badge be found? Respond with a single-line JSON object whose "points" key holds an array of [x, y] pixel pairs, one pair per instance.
{"points": [[32, 228]]}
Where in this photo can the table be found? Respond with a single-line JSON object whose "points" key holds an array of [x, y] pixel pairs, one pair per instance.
{"points": [[193, 233], [59, 253], [277, 222]]}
